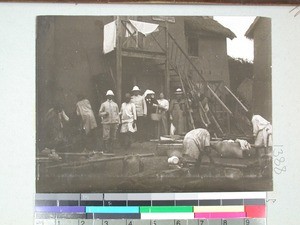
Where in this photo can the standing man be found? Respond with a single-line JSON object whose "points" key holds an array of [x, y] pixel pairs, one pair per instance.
{"points": [[128, 121], [109, 112], [84, 109], [178, 111], [141, 111], [88, 122]]}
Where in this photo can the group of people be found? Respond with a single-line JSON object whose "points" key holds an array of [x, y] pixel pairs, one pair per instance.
{"points": [[144, 117], [140, 117]]}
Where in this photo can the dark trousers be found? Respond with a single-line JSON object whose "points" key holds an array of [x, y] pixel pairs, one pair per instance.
{"points": [[126, 139], [151, 128], [140, 134], [89, 140]]}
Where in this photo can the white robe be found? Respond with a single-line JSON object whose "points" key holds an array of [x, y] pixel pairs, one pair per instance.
{"points": [[262, 130], [128, 116], [84, 110]]}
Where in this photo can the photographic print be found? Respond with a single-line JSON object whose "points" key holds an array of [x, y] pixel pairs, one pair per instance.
{"points": [[153, 104]]}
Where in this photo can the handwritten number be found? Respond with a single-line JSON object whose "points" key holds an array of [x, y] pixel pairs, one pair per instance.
{"points": [[247, 222], [178, 222], [130, 223], [278, 153], [279, 162], [201, 222], [82, 222], [106, 222], [280, 170]]}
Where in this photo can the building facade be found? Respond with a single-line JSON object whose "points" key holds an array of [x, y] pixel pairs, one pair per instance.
{"points": [[70, 58], [260, 33]]}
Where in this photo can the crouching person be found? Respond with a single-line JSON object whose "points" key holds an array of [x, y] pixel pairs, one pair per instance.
{"points": [[262, 132], [196, 144], [128, 121], [109, 112]]}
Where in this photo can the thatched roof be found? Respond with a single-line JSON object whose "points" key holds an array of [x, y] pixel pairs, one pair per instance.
{"points": [[207, 24], [249, 32]]}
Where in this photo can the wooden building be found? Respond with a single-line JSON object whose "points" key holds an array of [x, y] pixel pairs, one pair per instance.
{"points": [[70, 59], [260, 33]]}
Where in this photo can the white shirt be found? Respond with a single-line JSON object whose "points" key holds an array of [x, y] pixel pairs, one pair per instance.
{"points": [[259, 123], [164, 103], [128, 112], [140, 105], [200, 136], [109, 111]]}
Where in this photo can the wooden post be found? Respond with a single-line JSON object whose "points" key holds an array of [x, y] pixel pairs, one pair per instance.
{"points": [[167, 67], [219, 100], [118, 61], [236, 98], [228, 123]]}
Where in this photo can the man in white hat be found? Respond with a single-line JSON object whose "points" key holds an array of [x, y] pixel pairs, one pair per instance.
{"points": [[109, 112], [178, 111], [141, 111]]}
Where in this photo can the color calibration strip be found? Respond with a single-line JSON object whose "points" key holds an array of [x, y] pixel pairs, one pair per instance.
{"points": [[151, 209]]}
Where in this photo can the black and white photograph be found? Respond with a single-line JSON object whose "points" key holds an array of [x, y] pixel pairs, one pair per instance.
{"points": [[153, 104]]}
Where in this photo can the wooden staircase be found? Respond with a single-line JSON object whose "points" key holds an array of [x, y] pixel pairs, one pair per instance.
{"points": [[182, 73], [200, 94]]}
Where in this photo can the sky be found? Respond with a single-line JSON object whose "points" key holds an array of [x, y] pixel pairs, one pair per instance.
{"points": [[239, 47]]}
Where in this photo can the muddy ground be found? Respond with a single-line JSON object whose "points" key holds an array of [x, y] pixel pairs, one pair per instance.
{"points": [[153, 177]]}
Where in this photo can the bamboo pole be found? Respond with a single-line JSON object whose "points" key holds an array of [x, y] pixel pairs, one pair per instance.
{"points": [[216, 122], [80, 163], [219, 100], [236, 98], [187, 101]]}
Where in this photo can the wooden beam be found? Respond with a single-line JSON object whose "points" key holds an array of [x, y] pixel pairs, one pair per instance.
{"points": [[236, 98], [100, 160], [119, 62], [143, 54], [219, 100], [216, 122], [167, 66]]}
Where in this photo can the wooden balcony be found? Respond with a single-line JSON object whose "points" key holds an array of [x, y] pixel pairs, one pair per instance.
{"points": [[145, 54]]}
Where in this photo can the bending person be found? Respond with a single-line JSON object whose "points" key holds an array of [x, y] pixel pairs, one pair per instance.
{"points": [[196, 144]]}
